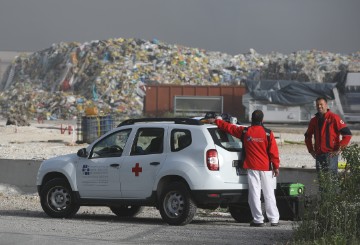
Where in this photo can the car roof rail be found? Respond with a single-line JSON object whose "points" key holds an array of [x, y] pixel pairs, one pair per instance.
{"points": [[176, 120]]}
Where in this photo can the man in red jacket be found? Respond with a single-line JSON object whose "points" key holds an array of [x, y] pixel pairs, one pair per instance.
{"points": [[326, 127], [261, 161]]}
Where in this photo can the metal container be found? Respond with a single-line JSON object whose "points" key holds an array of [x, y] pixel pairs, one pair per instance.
{"points": [[290, 189], [92, 127], [159, 99]]}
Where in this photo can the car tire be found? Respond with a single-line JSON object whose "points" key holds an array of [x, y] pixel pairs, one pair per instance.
{"points": [[126, 210], [241, 212], [58, 200], [176, 205]]}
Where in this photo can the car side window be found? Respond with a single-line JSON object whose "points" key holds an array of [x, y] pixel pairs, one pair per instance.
{"points": [[148, 141], [112, 145], [180, 139]]}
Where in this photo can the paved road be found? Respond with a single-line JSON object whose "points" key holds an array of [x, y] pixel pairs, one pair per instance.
{"points": [[24, 227]]}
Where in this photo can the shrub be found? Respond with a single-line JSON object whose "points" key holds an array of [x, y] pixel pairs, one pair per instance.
{"points": [[333, 217]]}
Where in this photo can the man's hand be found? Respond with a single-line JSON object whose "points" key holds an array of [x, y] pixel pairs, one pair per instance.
{"points": [[212, 120], [275, 172]]}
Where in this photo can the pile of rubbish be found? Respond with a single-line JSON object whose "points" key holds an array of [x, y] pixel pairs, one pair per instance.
{"points": [[18, 120], [67, 79]]}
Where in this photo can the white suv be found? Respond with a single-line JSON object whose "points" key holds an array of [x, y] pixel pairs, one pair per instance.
{"points": [[174, 164]]}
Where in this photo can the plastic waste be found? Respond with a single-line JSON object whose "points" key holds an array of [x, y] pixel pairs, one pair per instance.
{"points": [[113, 74]]}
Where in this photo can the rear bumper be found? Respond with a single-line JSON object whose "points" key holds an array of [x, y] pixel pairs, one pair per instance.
{"points": [[213, 198]]}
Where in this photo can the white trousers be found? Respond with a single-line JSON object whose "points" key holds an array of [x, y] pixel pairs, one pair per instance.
{"points": [[262, 180]]}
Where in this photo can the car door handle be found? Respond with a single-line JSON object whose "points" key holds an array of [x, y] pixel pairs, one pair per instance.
{"points": [[154, 163], [114, 165]]}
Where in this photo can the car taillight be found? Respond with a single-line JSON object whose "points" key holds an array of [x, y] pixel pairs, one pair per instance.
{"points": [[212, 160]]}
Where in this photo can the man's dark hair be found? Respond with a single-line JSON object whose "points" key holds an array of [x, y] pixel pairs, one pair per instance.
{"points": [[257, 117], [321, 98]]}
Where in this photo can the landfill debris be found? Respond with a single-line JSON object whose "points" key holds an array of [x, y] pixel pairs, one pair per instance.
{"points": [[67, 79], [17, 120]]}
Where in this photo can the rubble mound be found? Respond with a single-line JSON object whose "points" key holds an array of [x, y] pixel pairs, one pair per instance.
{"points": [[17, 120], [111, 75]]}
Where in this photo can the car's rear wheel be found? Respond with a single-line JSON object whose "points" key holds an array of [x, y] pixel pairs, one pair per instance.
{"points": [[126, 210], [58, 200], [177, 206]]}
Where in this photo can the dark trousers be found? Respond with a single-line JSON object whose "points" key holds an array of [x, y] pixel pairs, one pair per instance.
{"points": [[326, 164]]}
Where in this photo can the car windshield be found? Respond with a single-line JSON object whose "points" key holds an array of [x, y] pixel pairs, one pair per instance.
{"points": [[225, 140], [112, 145]]}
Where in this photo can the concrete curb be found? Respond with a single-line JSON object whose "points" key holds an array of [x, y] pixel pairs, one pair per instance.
{"points": [[20, 173]]}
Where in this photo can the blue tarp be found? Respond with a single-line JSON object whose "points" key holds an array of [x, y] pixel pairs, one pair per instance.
{"points": [[289, 93]]}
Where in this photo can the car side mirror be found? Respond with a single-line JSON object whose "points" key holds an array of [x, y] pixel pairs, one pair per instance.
{"points": [[82, 152]]}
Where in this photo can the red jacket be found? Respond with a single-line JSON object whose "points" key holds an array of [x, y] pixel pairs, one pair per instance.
{"points": [[257, 155], [327, 133]]}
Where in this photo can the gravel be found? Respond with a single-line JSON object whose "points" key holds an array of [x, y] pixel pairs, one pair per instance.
{"points": [[12, 201]]}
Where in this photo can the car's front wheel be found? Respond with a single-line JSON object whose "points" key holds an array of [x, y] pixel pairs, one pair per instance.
{"points": [[126, 210], [177, 206], [57, 199]]}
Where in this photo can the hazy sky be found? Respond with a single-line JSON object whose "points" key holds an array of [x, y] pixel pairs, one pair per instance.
{"points": [[231, 26]]}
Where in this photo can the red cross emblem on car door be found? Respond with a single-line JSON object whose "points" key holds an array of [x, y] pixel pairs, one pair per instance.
{"points": [[137, 169]]}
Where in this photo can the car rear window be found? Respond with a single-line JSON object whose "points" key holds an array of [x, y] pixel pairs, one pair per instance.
{"points": [[225, 140]]}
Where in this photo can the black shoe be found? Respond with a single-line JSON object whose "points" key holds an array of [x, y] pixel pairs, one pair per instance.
{"points": [[275, 224], [256, 224]]}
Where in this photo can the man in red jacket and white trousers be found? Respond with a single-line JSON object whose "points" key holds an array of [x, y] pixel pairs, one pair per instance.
{"points": [[326, 128], [261, 161]]}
